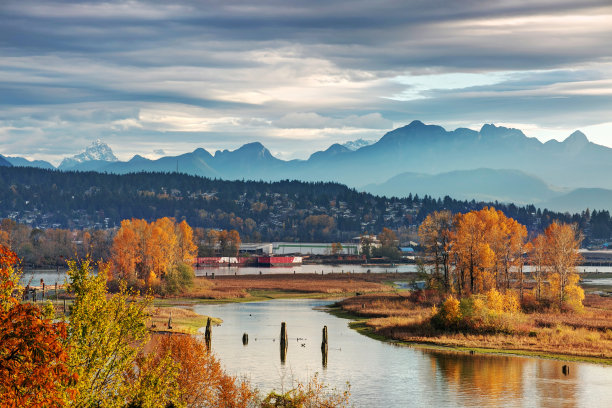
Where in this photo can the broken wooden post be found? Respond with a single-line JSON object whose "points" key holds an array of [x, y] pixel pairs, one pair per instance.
{"points": [[170, 321], [565, 369], [42, 283], [34, 294], [245, 339], [56, 291], [324, 347], [324, 340], [208, 333], [64, 306], [283, 342], [213, 275]]}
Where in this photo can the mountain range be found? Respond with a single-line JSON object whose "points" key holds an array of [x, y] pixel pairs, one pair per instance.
{"points": [[494, 163]]}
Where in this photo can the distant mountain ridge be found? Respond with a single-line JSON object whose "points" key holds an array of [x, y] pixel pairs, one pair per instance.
{"points": [[479, 184], [494, 163], [22, 162]]}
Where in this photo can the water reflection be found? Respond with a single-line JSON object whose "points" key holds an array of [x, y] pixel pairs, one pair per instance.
{"points": [[383, 375]]}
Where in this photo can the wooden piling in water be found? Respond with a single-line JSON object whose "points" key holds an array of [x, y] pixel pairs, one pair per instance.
{"points": [[170, 321], [565, 369], [283, 342], [324, 339], [208, 333], [245, 339], [324, 347]]}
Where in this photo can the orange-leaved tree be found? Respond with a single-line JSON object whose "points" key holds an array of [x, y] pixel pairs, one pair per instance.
{"points": [[201, 380], [147, 254], [33, 360]]}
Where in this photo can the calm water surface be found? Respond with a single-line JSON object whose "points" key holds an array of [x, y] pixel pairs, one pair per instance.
{"points": [[383, 375], [51, 276]]}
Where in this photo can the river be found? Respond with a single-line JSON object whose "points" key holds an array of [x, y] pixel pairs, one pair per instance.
{"points": [[50, 276], [385, 375]]}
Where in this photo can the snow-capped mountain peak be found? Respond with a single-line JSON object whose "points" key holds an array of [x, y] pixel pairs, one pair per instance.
{"points": [[357, 144], [97, 151]]}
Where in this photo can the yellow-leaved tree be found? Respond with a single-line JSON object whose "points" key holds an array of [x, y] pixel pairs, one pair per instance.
{"points": [[106, 335]]}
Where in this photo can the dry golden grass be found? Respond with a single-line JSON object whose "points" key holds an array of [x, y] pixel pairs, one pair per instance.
{"points": [[588, 334], [237, 287]]}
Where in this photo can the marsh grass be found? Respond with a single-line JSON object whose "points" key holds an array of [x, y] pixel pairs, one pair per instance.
{"points": [[255, 287], [586, 335]]}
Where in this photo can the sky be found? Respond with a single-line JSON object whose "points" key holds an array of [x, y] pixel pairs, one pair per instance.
{"points": [[165, 77]]}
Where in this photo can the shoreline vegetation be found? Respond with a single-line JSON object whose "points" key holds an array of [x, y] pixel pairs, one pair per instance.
{"points": [[378, 309], [395, 318]]}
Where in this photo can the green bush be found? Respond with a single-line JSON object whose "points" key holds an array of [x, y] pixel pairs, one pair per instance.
{"points": [[178, 279]]}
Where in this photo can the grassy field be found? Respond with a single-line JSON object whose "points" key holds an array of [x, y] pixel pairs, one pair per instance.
{"points": [[262, 287], [399, 316]]}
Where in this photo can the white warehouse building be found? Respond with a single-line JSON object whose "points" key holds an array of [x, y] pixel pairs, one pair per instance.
{"points": [[299, 248]]}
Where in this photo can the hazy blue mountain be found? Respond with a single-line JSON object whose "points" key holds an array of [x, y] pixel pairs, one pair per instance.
{"points": [[417, 149], [95, 156], [430, 149], [23, 162], [480, 184], [195, 163], [4, 162], [580, 199], [251, 161], [329, 154]]}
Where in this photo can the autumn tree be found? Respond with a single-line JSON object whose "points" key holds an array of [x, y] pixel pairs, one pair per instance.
{"points": [[106, 336], [33, 360], [561, 259], [367, 243], [188, 250], [336, 248], [473, 256], [145, 254], [201, 380], [537, 258], [319, 226], [229, 242], [435, 237], [487, 249], [388, 244]]}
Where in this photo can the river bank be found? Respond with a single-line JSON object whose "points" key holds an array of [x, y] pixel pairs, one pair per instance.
{"points": [[382, 311], [396, 318]]}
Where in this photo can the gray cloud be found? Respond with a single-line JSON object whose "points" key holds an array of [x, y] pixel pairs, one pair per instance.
{"points": [[296, 75]]}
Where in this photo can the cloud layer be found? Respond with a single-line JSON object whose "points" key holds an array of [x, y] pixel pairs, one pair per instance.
{"points": [[295, 75]]}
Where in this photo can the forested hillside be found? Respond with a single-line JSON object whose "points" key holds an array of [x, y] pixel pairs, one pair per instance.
{"points": [[283, 210]]}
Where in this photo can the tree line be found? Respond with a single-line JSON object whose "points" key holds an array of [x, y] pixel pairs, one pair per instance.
{"points": [[258, 211]]}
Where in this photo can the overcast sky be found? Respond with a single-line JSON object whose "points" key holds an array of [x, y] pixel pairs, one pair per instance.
{"points": [[165, 77]]}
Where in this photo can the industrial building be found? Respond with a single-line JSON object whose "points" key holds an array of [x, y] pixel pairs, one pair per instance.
{"points": [[300, 248]]}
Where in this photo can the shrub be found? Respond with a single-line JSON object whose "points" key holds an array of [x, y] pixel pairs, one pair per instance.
{"points": [[449, 314], [492, 312], [178, 278]]}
